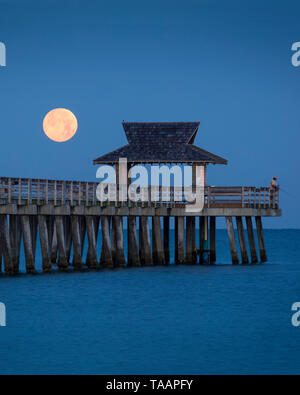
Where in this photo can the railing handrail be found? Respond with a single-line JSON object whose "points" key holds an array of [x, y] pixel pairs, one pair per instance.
{"points": [[41, 191]]}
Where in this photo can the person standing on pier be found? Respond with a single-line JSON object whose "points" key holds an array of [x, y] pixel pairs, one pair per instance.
{"points": [[273, 187]]}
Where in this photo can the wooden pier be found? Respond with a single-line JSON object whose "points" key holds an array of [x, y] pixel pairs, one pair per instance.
{"points": [[64, 215]]}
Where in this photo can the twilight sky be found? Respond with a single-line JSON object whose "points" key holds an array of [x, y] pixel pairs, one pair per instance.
{"points": [[227, 64]]}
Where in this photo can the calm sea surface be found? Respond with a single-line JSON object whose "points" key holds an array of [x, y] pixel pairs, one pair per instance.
{"points": [[160, 320]]}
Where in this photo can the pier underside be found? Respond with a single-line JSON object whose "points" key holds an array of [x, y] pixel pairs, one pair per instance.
{"points": [[63, 229]]}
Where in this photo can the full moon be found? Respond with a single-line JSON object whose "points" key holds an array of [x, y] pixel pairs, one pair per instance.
{"points": [[60, 125]]}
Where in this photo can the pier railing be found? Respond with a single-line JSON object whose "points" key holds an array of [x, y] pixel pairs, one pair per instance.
{"points": [[24, 191]]}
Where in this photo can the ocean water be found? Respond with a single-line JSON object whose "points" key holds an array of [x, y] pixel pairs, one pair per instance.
{"points": [[161, 320]]}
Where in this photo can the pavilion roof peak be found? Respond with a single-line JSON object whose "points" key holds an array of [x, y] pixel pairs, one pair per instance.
{"points": [[160, 132], [161, 142]]}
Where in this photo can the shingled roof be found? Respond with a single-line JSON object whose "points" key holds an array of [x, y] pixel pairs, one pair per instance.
{"points": [[161, 142]]}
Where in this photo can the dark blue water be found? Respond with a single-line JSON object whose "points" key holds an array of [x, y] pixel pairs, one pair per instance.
{"points": [[160, 320]]}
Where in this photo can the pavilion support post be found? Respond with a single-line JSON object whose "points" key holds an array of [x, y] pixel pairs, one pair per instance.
{"points": [[212, 239], [261, 240], [6, 244], [54, 247], [242, 240], [106, 256], [133, 250], [44, 240], [75, 228], [62, 258], [15, 239], [157, 242], [251, 239], [119, 241], [167, 239], [179, 241], [190, 241], [145, 244], [92, 260], [232, 241], [27, 239], [202, 234]]}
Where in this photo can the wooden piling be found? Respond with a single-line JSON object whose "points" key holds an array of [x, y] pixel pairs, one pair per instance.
{"points": [[113, 243], [190, 241], [166, 230], [212, 239], [96, 228], [194, 244], [45, 245], [254, 258], [27, 240], [106, 257], [119, 241], [202, 234], [6, 244], [92, 260], [179, 241], [242, 240], [157, 242], [54, 247], [82, 227], [68, 237], [1, 254], [15, 239], [75, 228], [62, 252], [33, 228], [232, 241], [261, 240], [145, 244], [133, 250], [176, 240]]}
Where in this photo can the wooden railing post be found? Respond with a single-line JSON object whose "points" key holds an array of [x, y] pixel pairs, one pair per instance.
{"points": [[38, 192], [71, 193], [47, 192], [79, 194], [55, 192], [243, 197], [29, 191], [250, 200], [87, 194], [9, 190], [20, 191]]}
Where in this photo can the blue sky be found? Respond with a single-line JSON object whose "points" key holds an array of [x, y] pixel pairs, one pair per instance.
{"points": [[227, 64]]}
